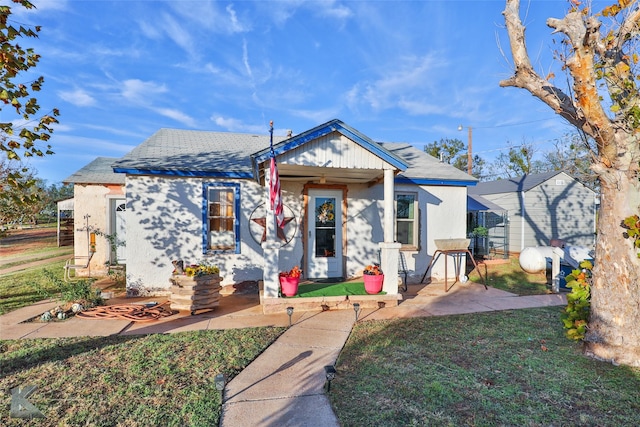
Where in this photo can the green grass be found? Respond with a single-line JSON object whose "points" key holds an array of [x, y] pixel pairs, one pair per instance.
{"points": [[35, 255], [152, 380], [19, 289], [511, 368], [511, 278]]}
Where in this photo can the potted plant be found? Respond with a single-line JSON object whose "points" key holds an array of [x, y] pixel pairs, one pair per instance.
{"points": [[373, 279], [289, 281]]}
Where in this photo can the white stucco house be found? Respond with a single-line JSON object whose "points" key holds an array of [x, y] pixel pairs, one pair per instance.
{"points": [[99, 207], [348, 202]]}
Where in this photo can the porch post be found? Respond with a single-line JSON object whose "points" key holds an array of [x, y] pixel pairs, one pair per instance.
{"points": [[389, 249], [270, 249], [389, 213]]}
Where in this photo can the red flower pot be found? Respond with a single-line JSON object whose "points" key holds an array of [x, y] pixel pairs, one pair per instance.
{"points": [[289, 285], [373, 284]]}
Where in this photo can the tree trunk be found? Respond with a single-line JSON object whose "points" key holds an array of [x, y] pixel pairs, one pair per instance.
{"points": [[614, 333]]}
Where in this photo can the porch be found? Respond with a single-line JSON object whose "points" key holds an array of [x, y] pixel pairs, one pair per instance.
{"points": [[313, 298]]}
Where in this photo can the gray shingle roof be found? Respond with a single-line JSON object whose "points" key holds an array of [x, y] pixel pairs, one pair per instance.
{"points": [[511, 185], [195, 151], [479, 203], [190, 152], [424, 166], [98, 171]]}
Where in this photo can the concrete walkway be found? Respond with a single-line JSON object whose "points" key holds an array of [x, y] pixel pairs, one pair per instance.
{"points": [[284, 385]]}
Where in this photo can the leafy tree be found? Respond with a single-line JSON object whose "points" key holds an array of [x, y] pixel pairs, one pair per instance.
{"points": [[447, 150], [28, 132], [602, 101], [21, 194], [453, 152], [53, 194]]}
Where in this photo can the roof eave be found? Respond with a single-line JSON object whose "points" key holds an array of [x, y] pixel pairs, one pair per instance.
{"points": [[435, 181]]}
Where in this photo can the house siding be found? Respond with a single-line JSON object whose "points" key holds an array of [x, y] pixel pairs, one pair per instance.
{"points": [[559, 208], [164, 223], [94, 201], [334, 151]]}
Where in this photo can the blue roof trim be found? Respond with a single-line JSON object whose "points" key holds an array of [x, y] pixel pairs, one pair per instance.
{"points": [[431, 181], [320, 131], [208, 174]]}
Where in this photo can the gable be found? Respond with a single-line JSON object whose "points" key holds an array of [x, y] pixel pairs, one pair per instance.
{"points": [[332, 149]]}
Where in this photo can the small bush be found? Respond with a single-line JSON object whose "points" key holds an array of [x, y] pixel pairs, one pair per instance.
{"points": [[576, 315], [74, 291]]}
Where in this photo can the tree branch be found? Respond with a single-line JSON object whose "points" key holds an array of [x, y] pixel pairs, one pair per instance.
{"points": [[525, 76]]}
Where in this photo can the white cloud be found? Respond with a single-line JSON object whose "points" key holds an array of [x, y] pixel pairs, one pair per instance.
{"points": [[419, 108], [403, 84], [235, 125], [235, 25], [117, 131], [332, 9], [139, 91], [317, 116], [150, 30], [282, 11], [177, 116], [245, 59], [40, 6], [179, 33], [77, 97]]}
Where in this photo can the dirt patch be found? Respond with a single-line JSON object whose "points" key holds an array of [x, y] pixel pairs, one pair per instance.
{"points": [[19, 241]]}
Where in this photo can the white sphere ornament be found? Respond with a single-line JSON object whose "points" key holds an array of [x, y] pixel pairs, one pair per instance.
{"points": [[62, 315], [77, 307], [46, 316]]}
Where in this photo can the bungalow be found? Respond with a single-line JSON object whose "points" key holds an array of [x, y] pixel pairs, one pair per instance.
{"points": [[348, 202], [542, 207]]}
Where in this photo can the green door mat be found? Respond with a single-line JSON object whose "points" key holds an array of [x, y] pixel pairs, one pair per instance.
{"points": [[332, 290]]}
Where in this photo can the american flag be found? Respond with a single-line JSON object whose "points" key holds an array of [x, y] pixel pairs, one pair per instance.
{"points": [[274, 188]]}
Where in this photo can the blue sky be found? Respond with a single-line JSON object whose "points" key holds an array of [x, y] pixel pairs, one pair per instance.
{"points": [[398, 71]]}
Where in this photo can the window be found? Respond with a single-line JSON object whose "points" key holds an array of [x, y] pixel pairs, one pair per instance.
{"points": [[407, 220], [222, 226]]}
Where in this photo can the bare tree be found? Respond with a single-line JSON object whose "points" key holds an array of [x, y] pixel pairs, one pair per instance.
{"points": [[572, 155], [517, 162], [601, 100]]}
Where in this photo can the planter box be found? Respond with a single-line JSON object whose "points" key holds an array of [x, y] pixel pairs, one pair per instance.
{"points": [[195, 293]]}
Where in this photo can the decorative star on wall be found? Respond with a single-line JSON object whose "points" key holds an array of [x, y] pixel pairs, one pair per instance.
{"points": [[258, 222], [262, 222]]}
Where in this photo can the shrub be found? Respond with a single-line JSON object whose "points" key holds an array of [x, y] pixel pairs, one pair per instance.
{"points": [[575, 316], [74, 291]]}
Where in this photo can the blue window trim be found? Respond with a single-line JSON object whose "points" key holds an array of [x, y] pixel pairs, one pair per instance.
{"points": [[205, 201]]}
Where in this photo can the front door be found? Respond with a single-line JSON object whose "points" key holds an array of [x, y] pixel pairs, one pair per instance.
{"points": [[120, 231], [324, 222]]}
